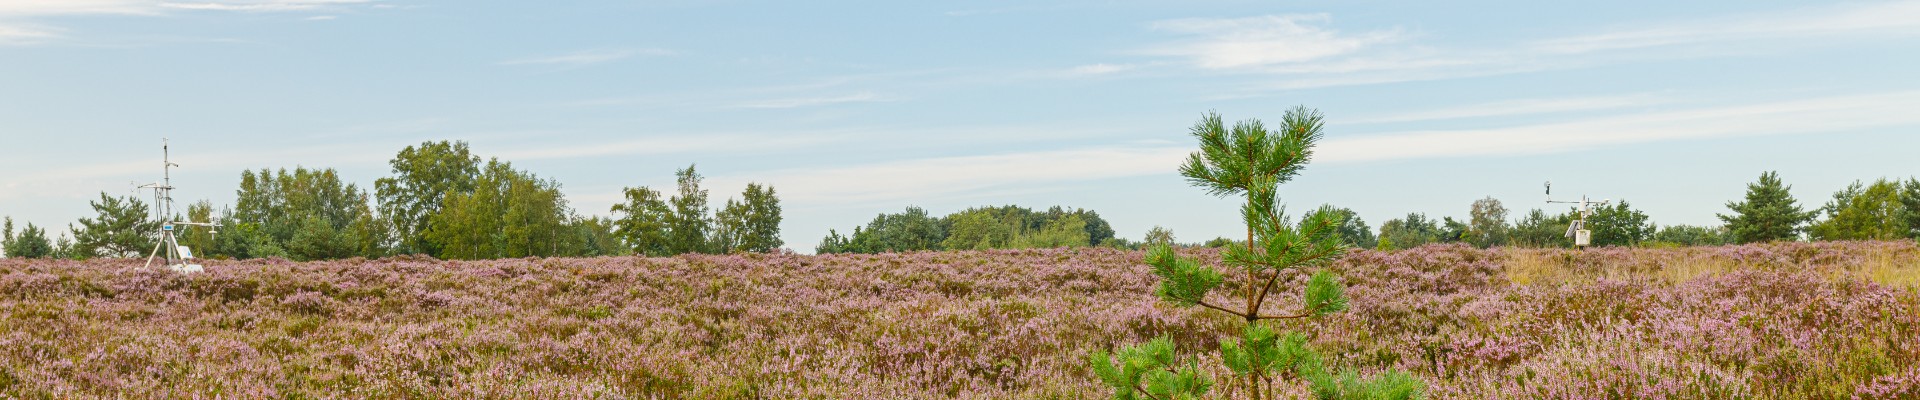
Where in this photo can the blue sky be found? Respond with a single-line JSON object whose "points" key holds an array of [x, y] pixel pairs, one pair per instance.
{"points": [[850, 109]]}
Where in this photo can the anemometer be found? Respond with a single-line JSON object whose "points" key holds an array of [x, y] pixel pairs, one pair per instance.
{"points": [[1582, 237], [176, 256]]}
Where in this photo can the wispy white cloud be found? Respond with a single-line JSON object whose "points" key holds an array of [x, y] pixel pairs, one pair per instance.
{"points": [[30, 8], [945, 177], [17, 16], [588, 57], [1821, 115], [34, 8], [22, 34], [1223, 43], [1099, 69], [1292, 52], [1519, 107], [261, 5], [862, 97], [671, 144], [1900, 18], [323, 18]]}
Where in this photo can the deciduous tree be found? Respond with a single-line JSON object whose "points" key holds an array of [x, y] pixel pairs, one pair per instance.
{"points": [[642, 222], [1405, 233], [1353, 230], [1872, 212], [423, 176], [1487, 226], [1619, 225], [689, 224]]}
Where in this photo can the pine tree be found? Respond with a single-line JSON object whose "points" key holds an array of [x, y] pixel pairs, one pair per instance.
{"points": [[121, 228], [1768, 214], [31, 243], [6, 236], [1248, 161], [834, 243]]}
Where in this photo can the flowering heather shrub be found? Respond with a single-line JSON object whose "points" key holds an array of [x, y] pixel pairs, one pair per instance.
{"points": [[1791, 320]]}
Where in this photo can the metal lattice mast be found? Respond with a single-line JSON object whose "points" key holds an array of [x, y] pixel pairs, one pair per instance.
{"points": [[168, 246]]}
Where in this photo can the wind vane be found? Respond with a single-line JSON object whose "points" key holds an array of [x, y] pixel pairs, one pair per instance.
{"points": [[1582, 237], [177, 257]]}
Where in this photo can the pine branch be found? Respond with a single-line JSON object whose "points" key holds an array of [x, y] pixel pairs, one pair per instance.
{"points": [[1143, 390], [1203, 303]]}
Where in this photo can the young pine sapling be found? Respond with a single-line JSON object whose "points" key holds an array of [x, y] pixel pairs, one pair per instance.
{"points": [[1251, 161]]}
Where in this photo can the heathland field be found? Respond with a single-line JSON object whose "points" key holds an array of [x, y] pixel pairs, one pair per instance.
{"points": [[1789, 320]]}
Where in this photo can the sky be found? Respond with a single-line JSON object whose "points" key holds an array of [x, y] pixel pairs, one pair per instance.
{"points": [[851, 109]]}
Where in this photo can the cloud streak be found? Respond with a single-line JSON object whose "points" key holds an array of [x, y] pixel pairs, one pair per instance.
{"points": [[262, 6], [588, 57], [1226, 43], [1303, 51], [862, 97], [16, 15], [1822, 115], [962, 176], [1519, 107], [1898, 17]]}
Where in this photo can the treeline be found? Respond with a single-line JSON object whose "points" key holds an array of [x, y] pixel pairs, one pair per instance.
{"points": [[1883, 210], [979, 228], [441, 201]]}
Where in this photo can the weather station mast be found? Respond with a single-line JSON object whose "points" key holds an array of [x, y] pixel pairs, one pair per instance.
{"points": [[168, 249], [1582, 237]]}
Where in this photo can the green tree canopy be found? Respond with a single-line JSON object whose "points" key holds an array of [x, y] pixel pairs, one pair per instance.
{"points": [[1413, 231], [122, 227], [200, 239], [31, 243], [1910, 198], [1619, 225], [642, 222], [1158, 236], [1352, 230], [310, 213], [1690, 235], [509, 214], [1487, 226], [1768, 214], [423, 176], [689, 224], [752, 224], [1537, 229], [1872, 212]]}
